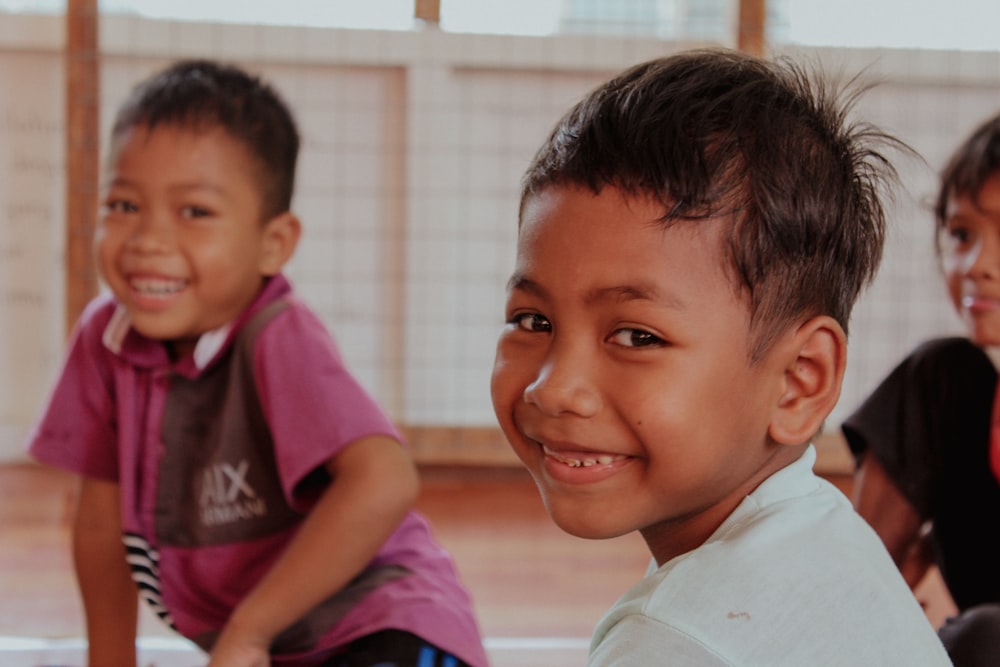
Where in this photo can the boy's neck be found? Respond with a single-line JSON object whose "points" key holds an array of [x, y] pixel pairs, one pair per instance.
{"points": [[669, 540]]}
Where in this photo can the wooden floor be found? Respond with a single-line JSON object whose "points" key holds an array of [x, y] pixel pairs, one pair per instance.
{"points": [[538, 591]]}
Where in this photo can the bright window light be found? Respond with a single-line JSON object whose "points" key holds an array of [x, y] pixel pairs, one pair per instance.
{"points": [[942, 24]]}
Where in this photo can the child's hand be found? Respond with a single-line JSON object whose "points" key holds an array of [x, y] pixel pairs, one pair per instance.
{"points": [[318, 561], [232, 651]]}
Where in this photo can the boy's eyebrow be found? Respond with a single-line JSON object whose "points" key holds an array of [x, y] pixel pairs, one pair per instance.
{"points": [[118, 181], [639, 292], [176, 188], [962, 216], [617, 293], [520, 282], [181, 188]]}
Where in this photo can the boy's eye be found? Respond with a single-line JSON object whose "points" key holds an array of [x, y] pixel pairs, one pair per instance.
{"points": [[958, 242], [193, 212], [531, 322], [959, 235], [120, 206], [629, 337]]}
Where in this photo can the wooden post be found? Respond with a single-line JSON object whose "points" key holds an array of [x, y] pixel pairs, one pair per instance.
{"points": [[82, 153], [751, 32], [427, 10]]}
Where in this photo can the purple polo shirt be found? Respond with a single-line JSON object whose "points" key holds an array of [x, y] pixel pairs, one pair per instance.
{"points": [[200, 528]]}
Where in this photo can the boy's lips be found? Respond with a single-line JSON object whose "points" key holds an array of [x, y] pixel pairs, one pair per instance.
{"points": [[980, 304], [568, 466]]}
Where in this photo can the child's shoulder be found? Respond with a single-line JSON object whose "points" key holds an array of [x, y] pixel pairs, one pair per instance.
{"points": [[288, 330], [805, 568], [948, 346], [942, 358], [287, 317]]}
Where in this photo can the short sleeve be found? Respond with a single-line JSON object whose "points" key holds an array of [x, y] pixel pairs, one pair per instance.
{"points": [[77, 430], [312, 403], [933, 407]]}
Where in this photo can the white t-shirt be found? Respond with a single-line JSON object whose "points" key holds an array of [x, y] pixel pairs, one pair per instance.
{"points": [[792, 577]]}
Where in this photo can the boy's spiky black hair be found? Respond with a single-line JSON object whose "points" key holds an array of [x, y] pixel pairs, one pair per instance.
{"points": [[718, 132]]}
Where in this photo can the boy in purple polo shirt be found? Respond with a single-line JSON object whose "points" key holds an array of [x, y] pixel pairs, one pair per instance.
{"points": [[264, 500]]}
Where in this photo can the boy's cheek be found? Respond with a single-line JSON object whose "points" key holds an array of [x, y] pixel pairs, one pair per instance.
{"points": [[500, 379], [507, 380]]}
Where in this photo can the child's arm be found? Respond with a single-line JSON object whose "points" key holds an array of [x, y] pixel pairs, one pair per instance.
{"points": [[110, 602], [880, 502], [374, 484]]}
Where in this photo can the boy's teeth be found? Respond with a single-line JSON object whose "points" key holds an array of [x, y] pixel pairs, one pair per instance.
{"points": [[603, 459], [156, 286]]}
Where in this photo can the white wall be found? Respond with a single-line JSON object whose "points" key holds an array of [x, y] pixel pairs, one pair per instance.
{"points": [[414, 143]]}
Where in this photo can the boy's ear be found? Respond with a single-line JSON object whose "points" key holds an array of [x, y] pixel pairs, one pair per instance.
{"points": [[281, 236], [816, 356]]}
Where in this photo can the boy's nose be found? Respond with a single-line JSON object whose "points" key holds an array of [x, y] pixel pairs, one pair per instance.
{"points": [[564, 388], [986, 263], [151, 234]]}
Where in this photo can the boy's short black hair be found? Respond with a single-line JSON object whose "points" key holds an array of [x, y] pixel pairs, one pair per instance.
{"points": [[203, 94], [715, 132], [970, 166]]}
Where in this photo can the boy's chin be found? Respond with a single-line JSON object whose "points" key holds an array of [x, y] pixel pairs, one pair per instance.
{"points": [[584, 522]]}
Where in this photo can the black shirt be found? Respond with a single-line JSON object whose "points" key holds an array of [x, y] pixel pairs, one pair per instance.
{"points": [[928, 424]]}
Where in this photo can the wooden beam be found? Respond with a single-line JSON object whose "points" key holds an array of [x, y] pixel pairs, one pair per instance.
{"points": [[82, 153], [751, 31], [427, 10]]}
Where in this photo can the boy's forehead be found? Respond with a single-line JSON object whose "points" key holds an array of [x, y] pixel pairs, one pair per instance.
{"points": [[985, 200], [576, 218], [178, 139], [589, 233], [174, 155], [632, 213], [144, 132]]}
